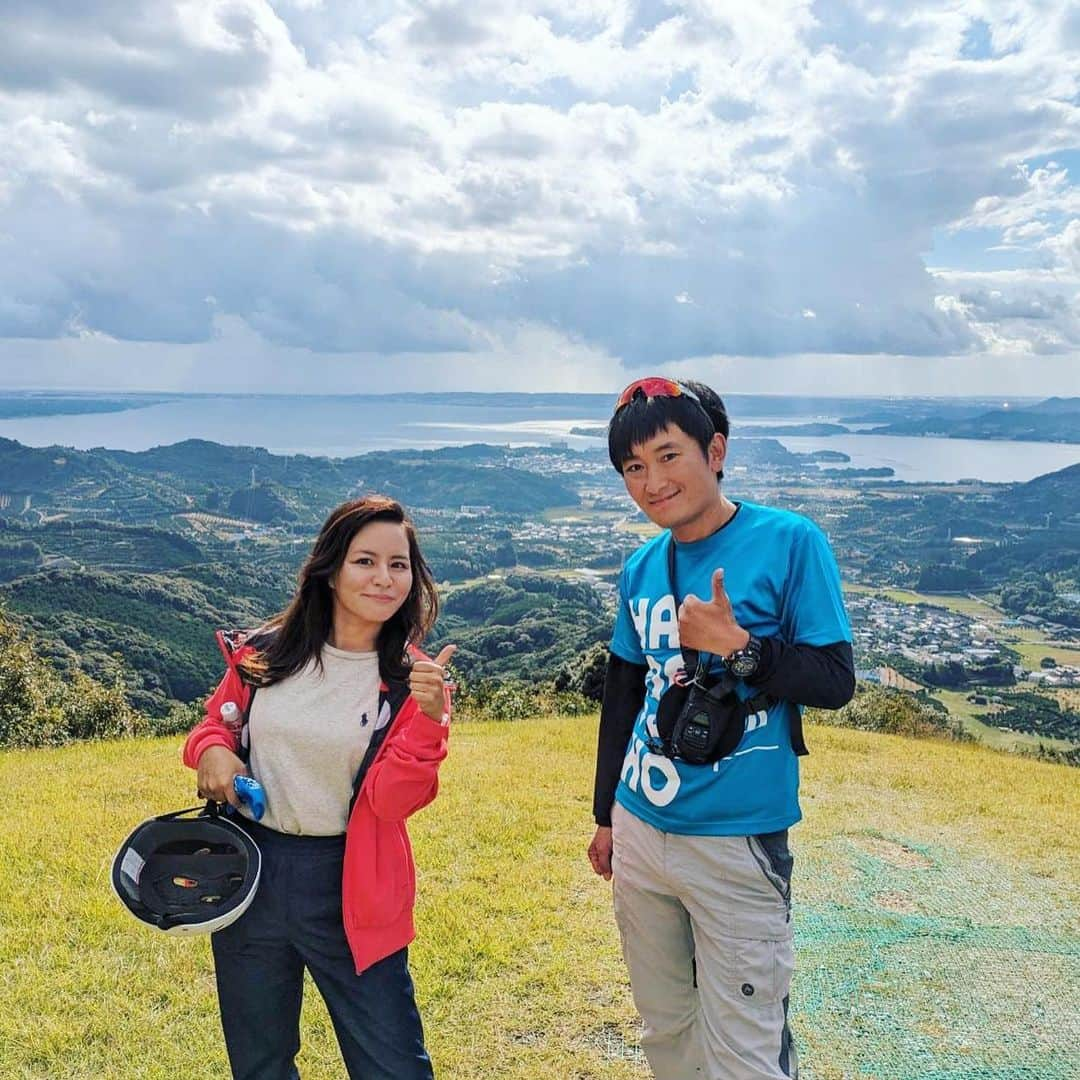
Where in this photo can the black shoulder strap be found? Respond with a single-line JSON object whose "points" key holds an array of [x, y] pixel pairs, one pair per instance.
{"points": [[698, 663], [392, 698], [693, 661], [798, 743]]}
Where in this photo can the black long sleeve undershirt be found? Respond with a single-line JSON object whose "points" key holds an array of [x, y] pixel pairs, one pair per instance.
{"points": [[822, 676], [624, 693], [819, 675]]}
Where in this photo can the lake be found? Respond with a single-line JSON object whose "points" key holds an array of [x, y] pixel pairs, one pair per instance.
{"points": [[343, 426]]}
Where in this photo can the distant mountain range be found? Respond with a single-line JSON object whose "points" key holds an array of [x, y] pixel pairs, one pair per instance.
{"points": [[15, 404], [1053, 420]]}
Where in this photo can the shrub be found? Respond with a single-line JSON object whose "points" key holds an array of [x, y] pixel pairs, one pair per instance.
{"points": [[571, 703], [39, 708], [892, 712], [512, 701], [179, 720], [94, 711], [585, 674], [490, 699]]}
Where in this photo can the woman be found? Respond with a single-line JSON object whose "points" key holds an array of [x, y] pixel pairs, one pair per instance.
{"points": [[344, 722]]}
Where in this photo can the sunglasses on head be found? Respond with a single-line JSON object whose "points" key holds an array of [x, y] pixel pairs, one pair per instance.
{"points": [[654, 387]]}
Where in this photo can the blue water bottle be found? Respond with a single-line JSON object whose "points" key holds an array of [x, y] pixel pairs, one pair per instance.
{"points": [[251, 793]]}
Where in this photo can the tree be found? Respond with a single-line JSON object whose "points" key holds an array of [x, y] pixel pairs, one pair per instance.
{"points": [[585, 674], [39, 708]]}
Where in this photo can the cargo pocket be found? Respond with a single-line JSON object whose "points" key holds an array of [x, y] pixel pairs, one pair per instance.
{"points": [[762, 972], [771, 853]]}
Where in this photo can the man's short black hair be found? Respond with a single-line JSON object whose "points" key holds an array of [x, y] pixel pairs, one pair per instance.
{"points": [[643, 418]]}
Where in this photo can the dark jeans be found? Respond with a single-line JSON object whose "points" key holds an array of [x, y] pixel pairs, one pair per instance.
{"points": [[295, 922]]}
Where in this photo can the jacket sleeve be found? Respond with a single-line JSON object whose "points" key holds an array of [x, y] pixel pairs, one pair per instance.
{"points": [[212, 731], [404, 777], [624, 693]]}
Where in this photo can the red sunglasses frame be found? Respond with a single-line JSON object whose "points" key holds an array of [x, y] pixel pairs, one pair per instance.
{"points": [[654, 386]]}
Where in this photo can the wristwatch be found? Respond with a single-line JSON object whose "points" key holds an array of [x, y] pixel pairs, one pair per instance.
{"points": [[742, 663]]}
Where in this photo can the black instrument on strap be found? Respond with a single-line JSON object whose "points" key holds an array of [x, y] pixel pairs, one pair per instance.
{"points": [[700, 717]]}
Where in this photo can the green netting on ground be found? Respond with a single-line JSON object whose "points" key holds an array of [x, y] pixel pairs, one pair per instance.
{"points": [[917, 963]]}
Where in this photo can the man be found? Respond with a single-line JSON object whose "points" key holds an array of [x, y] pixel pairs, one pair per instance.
{"points": [[698, 848]]}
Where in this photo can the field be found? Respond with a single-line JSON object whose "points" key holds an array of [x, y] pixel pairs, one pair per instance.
{"points": [[1032, 648], [936, 917], [997, 738], [1028, 643]]}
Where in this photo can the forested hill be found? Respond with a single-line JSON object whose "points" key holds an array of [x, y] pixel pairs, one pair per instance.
{"points": [[253, 483], [1056, 406], [40, 707], [120, 565], [1056, 493], [26, 469]]}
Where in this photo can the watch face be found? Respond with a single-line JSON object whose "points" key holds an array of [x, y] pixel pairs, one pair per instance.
{"points": [[745, 661], [744, 664]]}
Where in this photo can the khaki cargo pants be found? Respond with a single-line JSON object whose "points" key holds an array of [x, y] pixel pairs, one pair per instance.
{"points": [[705, 923]]}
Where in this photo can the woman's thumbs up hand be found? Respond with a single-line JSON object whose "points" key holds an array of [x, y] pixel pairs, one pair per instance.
{"points": [[428, 684]]}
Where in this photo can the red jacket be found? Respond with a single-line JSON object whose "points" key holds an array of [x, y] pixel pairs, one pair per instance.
{"points": [[399, 775]]}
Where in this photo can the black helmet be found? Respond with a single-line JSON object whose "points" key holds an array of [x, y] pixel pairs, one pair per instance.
{"points": [[187, 875]]}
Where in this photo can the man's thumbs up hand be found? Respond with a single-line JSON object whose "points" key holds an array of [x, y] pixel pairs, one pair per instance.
{"points": [[709, 625], [719, 597]]}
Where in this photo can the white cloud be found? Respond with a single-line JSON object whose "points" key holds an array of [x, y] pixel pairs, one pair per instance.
{"points": [[412, 178], [236, 358]]}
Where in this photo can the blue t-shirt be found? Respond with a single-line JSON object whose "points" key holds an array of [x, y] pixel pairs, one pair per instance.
{"points": [[782, 580]]}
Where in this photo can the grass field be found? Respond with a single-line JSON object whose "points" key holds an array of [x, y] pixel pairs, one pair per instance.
{"points": [[997, 738], [588, 514], [936, 917], [644, 529], [1032, 648]]}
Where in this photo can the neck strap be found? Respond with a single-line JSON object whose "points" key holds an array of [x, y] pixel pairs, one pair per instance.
{"points": [[693, 660]]}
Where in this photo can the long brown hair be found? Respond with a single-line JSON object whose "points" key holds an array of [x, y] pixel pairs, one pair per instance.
{"points": [[296, 635]]}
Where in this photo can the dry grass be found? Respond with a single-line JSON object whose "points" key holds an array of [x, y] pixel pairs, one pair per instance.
{"points": [[517, 964]]}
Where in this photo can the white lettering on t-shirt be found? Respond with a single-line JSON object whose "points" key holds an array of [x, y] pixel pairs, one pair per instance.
{"points": [[640, 773], [757, 720], [663, 621], [657, 680], [655, 763], [631, 766]]}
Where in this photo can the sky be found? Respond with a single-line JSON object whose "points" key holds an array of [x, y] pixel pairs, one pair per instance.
{"points": [[837, 197]]}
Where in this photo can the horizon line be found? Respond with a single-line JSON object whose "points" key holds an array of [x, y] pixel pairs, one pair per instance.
{"points": [[105, 392]]}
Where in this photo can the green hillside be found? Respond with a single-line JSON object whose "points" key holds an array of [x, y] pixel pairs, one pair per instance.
{"points": [[435, 479], [935, 917], [144, 486], [522, 627], [39, 707], [102, 544], [26, 469], [156, 631]]}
